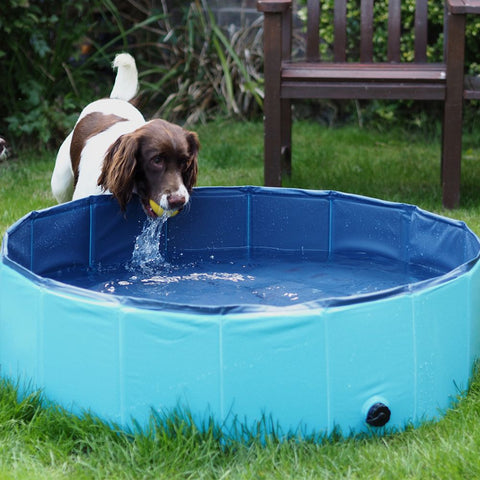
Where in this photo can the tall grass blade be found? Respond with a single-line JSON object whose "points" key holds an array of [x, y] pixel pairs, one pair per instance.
{"points": [[226, 76]]}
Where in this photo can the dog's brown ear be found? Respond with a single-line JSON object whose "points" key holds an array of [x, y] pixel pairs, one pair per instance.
{"points": [[118, 169], [191, 169]]}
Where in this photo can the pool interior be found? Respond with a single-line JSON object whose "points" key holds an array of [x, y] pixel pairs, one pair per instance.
{"points": [[238, 277], [243, 246], [279, 280]]}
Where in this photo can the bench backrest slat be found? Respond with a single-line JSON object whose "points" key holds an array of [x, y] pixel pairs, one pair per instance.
{"points": [[313, 23], [394, 30], [421, 22], [340, 30], [366, 32]]}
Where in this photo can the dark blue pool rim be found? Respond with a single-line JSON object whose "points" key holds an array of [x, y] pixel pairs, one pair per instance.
{"points": [[248, 219]]}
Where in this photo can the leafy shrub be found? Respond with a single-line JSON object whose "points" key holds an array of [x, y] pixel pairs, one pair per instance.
{"points": [[190, 70], [39, 46], [57, 57]]}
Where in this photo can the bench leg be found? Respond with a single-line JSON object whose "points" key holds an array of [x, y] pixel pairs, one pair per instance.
{"points": [[452, 155], [272, 105], [286, 138], [272, 145], [452, 118], [278, 141]]}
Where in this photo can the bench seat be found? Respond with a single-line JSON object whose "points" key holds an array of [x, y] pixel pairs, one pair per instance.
{"points": [[363, 81]]}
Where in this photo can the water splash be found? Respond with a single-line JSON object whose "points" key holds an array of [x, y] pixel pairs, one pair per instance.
{"points": [[146, 256]]}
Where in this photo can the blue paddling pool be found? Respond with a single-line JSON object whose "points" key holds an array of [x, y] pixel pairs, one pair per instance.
{"points": [[314, 309]]}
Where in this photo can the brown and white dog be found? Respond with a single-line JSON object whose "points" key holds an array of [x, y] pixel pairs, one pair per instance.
{"points": [[113, 149]]}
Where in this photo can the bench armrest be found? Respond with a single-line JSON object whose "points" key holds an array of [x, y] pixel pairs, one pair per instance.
{"points": [[273, 6], [461, 7]]}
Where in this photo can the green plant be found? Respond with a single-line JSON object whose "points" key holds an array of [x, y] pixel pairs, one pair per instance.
{"points": [[190, 70], [53, 53], [38, 47], [196, 70]]}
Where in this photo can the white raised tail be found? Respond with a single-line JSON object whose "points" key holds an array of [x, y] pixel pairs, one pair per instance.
{"points": [[126, 81]]}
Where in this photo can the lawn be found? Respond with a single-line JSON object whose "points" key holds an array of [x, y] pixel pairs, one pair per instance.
{"points": [[393, 165], [39, 441]]}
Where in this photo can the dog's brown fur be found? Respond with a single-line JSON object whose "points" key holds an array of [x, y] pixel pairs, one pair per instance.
{"points": [[154, 159]]}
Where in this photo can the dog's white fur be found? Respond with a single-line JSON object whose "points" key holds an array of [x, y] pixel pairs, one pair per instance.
{"points": [[124, 89], [126, 82], [3, 149]]}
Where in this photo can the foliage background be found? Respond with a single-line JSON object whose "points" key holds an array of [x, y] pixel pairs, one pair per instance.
{"points": [[55, 57]]}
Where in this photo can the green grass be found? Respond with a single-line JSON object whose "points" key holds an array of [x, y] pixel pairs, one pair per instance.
{"points": [[395, 165], [24, 185], [40, 441]]}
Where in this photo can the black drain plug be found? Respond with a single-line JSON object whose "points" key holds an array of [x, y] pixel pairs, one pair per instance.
{"points": [[378, 415]]}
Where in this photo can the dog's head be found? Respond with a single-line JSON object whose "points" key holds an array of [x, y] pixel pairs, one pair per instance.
{"points": [[158, 161]]}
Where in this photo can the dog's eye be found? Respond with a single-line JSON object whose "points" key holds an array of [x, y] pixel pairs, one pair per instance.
{"points": [[184, 163], [159, 159]]}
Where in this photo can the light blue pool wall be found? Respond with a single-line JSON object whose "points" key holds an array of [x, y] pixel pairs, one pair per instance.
{"points": [[310, 369], [108, 359]]}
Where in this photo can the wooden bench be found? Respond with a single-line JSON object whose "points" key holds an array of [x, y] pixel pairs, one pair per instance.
{"points": [[287, 79]]}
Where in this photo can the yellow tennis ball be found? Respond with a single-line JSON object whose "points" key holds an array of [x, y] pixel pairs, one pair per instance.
{"points": [[159, 211]]}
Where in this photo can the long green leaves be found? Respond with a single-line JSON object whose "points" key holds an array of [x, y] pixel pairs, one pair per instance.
{"points": [[190, 68], [199, 71]]}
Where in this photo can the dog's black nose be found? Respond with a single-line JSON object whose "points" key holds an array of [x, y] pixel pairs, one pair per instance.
{"points": [[176, 200]]}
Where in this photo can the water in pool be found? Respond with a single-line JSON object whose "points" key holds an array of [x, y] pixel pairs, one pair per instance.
{"points": [[278, 280]]}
